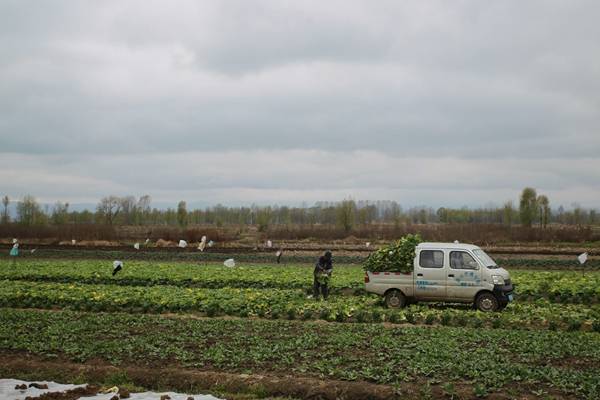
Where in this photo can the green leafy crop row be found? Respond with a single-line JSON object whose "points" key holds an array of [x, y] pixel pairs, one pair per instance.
{"points": [[492, 359], [557, 286], [287, 303]]}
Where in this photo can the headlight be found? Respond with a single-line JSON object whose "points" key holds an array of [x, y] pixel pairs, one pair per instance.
{"points": [[498, 280]]}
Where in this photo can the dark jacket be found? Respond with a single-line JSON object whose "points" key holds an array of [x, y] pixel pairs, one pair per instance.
{"points": [[323, 265]]}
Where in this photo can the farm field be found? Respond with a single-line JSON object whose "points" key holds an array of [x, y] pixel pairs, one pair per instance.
{"points": [[513, 257], [259, 319]]}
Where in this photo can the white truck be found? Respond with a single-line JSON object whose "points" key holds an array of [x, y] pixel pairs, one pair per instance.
{"points": [[446, 272]]}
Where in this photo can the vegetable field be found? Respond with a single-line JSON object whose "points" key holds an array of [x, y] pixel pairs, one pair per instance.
{"points": [[260, 318]]}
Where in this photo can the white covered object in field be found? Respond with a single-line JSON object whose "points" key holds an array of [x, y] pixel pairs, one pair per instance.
{"points": [[152, 396], [8, 391], [229, 263], [136, 246], [269, 244], [582, 258], [182, 244]]}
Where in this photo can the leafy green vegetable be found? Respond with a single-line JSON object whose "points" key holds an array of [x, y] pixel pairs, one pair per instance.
{"points": [[493, 359], [397, 257]]}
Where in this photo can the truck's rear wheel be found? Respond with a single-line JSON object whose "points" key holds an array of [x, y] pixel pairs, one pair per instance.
{"points": [[395, 299], [487, 302]]}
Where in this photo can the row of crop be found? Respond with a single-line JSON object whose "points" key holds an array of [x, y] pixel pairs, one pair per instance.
{"points": [[290, 304], [547, 263], [557, 286], [136, 273], [489, 358]]}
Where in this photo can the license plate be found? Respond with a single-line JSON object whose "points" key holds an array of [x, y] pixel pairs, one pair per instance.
{"points": [[510, 297]]}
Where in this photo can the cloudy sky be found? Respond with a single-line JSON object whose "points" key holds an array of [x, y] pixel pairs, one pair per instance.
{"points": [[439, 103]]}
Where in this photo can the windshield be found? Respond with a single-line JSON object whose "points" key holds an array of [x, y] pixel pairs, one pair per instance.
{"points": [[485, 259]]}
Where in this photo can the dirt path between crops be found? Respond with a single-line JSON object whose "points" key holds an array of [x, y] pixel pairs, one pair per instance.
{"points": [[171, 377]]}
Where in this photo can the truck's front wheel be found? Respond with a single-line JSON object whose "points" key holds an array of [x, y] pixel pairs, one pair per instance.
{"points": [[395, 299], [487, 302]]}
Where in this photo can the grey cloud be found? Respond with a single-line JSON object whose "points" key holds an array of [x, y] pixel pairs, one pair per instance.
{"points": [[315, 174], [487, 85]]}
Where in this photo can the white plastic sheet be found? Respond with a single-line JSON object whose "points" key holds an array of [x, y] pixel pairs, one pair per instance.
{"points": [[136, 246], [582, 258], [229, 263], [368, 244], [182, 244], [152, 396], [8, 392], [269, 244], [73, 241], [211, 243]]}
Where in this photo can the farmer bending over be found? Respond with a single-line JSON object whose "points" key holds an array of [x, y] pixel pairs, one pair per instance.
{"points": [[322, 273]]}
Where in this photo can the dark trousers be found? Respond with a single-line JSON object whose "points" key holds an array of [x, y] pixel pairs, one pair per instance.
{"points": [[320, 288]]}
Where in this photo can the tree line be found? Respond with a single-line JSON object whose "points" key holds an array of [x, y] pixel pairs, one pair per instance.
{"points": [[532, 210]]}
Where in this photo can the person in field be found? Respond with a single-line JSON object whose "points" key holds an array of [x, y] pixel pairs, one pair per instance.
{"points": [[14, 252], [322, 275]]}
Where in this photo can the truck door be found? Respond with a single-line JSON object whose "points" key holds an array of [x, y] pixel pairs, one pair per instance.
{"points": [[464, 275], [430, 274]]}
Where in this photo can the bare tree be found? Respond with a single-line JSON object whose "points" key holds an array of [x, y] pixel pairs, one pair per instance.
{"points": [[128, 209], [5, 216], [345, 214], [108, 208], [60, 213], [544, 210], [508, 212], [28, 210], [182, 214], [143, 209]]}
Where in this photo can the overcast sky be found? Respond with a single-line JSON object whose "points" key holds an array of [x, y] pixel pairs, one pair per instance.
{"points": [[439, 103]]}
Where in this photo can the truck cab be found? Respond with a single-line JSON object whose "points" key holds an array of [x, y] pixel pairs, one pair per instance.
{"points": [[446, 272]]}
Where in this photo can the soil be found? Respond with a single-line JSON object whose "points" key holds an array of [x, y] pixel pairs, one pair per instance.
{"points": [[183, 380], [298, 248], [74, 394]]}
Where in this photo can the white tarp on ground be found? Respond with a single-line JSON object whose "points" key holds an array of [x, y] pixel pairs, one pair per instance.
{"points": [[153, 396], [8, 392]]}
